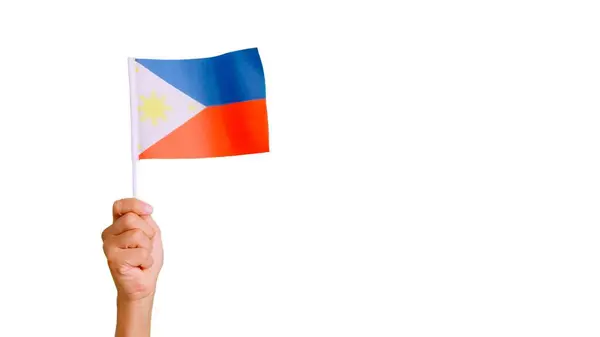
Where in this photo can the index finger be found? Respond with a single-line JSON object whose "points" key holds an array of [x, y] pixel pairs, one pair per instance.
{"points": [[130, 205]]}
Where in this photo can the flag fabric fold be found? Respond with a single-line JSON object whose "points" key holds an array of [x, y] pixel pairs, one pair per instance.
{"points": [[200, 108]]}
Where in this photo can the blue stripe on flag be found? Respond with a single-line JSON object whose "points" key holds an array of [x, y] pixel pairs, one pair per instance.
{"points": [[228, 78]]}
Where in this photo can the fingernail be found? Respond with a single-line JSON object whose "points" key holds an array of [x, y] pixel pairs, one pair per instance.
{"points": [[148, 208]]}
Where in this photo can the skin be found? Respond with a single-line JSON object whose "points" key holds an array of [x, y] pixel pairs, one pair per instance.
{"points": [[133, 248]]}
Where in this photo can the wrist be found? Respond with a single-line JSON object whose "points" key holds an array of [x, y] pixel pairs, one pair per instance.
{"points": [[124, 301], [134, 316]]}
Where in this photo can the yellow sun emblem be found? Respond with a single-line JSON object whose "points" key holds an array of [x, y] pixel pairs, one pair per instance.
{"points": [[153, 108]]}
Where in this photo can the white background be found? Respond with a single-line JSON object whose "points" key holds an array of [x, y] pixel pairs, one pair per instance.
{"points": [[434, 170]]}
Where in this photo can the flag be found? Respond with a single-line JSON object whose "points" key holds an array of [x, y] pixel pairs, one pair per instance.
{"points": [[199, 108]]}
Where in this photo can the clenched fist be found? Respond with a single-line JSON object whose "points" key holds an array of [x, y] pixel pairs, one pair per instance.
{"points": [[133, 248]]}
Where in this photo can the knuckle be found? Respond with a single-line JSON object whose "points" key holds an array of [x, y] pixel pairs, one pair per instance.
{"points": [[106, 248], [130, 219], [150, 262], [138, 236], [109, 248], [113, 262], [137, 233], [117, 206], [122, 270], [104, 234]]}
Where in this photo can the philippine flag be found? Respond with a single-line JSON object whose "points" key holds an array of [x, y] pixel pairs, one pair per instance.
{"points": [[199, 108]]}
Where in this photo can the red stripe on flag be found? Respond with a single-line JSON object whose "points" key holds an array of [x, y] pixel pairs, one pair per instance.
{"points": [[217, 131]]}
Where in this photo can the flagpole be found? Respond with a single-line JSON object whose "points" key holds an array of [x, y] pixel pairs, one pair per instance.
{"points": [[134, 125]]}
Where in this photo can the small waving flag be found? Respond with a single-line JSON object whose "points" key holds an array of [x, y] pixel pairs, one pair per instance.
{"points": [[199, 108]]}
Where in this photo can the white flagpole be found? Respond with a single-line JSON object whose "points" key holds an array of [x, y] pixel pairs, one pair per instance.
{"points": [[134, 125]]}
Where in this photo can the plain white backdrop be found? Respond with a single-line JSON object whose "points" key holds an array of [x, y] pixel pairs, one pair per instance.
{"points": [[434, 171]]}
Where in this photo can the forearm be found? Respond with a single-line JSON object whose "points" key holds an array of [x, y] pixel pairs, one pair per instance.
{"points": [[133, 317]]}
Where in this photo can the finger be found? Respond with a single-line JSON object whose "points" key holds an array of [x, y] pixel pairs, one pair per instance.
{"points": [[134, 238], [152, 223], [128, 222], [123, 206], [126, 258], [138, 257]]}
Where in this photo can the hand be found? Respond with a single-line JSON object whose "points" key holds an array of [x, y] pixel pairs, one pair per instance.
{"points": [[133, 248]]}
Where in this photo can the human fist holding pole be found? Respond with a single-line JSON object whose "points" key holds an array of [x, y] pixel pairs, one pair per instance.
{"points": [[133, 248]]}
